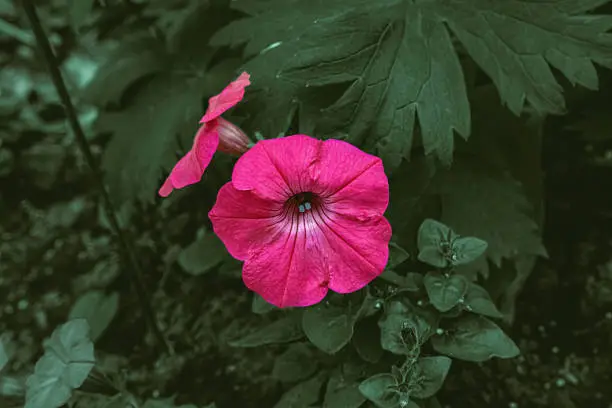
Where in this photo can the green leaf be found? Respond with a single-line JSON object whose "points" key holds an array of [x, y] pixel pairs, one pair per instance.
{"points": [[381, 104], [341, 393], [204, 254], [433, 239], [547, 35], [284, 330], [260, 306], [445, 292], [467, 249], [407, 283], [295, 364], [477, 300], [98, 309], [129, 60], [366, 340], [378, 389], [78, 11], [329, 326], [399, 60], [432, 373], [397, 255], [66, 363], [474, 338], [479, 200], [404, 329], [302, 395]]}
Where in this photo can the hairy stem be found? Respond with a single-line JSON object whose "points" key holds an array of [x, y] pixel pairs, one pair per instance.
{"points": [[133, 266]]}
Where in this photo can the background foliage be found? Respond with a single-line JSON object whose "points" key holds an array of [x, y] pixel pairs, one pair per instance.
{"points": [[523, 188]]}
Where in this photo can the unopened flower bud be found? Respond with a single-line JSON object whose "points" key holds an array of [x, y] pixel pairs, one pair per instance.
{"points": [[232, 140]]}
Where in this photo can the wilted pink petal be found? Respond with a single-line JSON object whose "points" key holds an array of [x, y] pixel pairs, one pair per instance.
{"points": [[214, 133], [190, 168], [305, 215], [230, 96]]}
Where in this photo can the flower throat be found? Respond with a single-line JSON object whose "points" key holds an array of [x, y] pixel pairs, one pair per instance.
{"points": [[303, 201]]}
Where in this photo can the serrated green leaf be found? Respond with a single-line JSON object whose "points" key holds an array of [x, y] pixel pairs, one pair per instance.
{"points": [[283, 330], [66, 363], [98, 309], [477, 300], [341, 393], [524, 38], [445, 292], [303, 394], [432, 373], [481, 201], [204, 254], [260, 306], [130, 60], [399, 60], [378, 389], [295, 364], [474, 338]]}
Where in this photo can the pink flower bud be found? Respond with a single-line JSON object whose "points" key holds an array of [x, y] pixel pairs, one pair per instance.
{"points": [[232, 140]]}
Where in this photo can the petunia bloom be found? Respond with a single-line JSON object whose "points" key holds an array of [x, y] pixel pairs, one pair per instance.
{"points": [[215, 134], [305, 216]]}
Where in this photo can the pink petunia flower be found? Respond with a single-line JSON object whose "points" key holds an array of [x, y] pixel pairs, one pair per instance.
{"points": [[215, 134], [305, 216]]}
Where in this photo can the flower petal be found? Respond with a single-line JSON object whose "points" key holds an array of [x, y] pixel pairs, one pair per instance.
{"points": [[354, 181], [190, 168], [277, 169], [230, 96], [292, 269], [359, 248], [242, 220]]}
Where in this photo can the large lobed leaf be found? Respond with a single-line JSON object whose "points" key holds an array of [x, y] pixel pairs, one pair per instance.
{"points": [[399, 61]]}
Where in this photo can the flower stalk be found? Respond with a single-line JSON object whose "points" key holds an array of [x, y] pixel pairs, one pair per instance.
{"points": [[133, 268]]}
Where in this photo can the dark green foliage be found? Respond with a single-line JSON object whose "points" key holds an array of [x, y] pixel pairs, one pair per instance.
{"points": [[397, 78]]}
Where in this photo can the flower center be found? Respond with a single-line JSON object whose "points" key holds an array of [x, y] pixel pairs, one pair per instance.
{"points": [[303, 201]]}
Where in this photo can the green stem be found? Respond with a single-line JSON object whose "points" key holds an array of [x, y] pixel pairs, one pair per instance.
{"points": [[133, 267]]}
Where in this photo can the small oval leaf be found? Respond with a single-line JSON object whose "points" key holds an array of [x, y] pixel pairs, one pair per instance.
{"points": [[477, 300], [432, 373], [378, 390], [445, 292]]}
